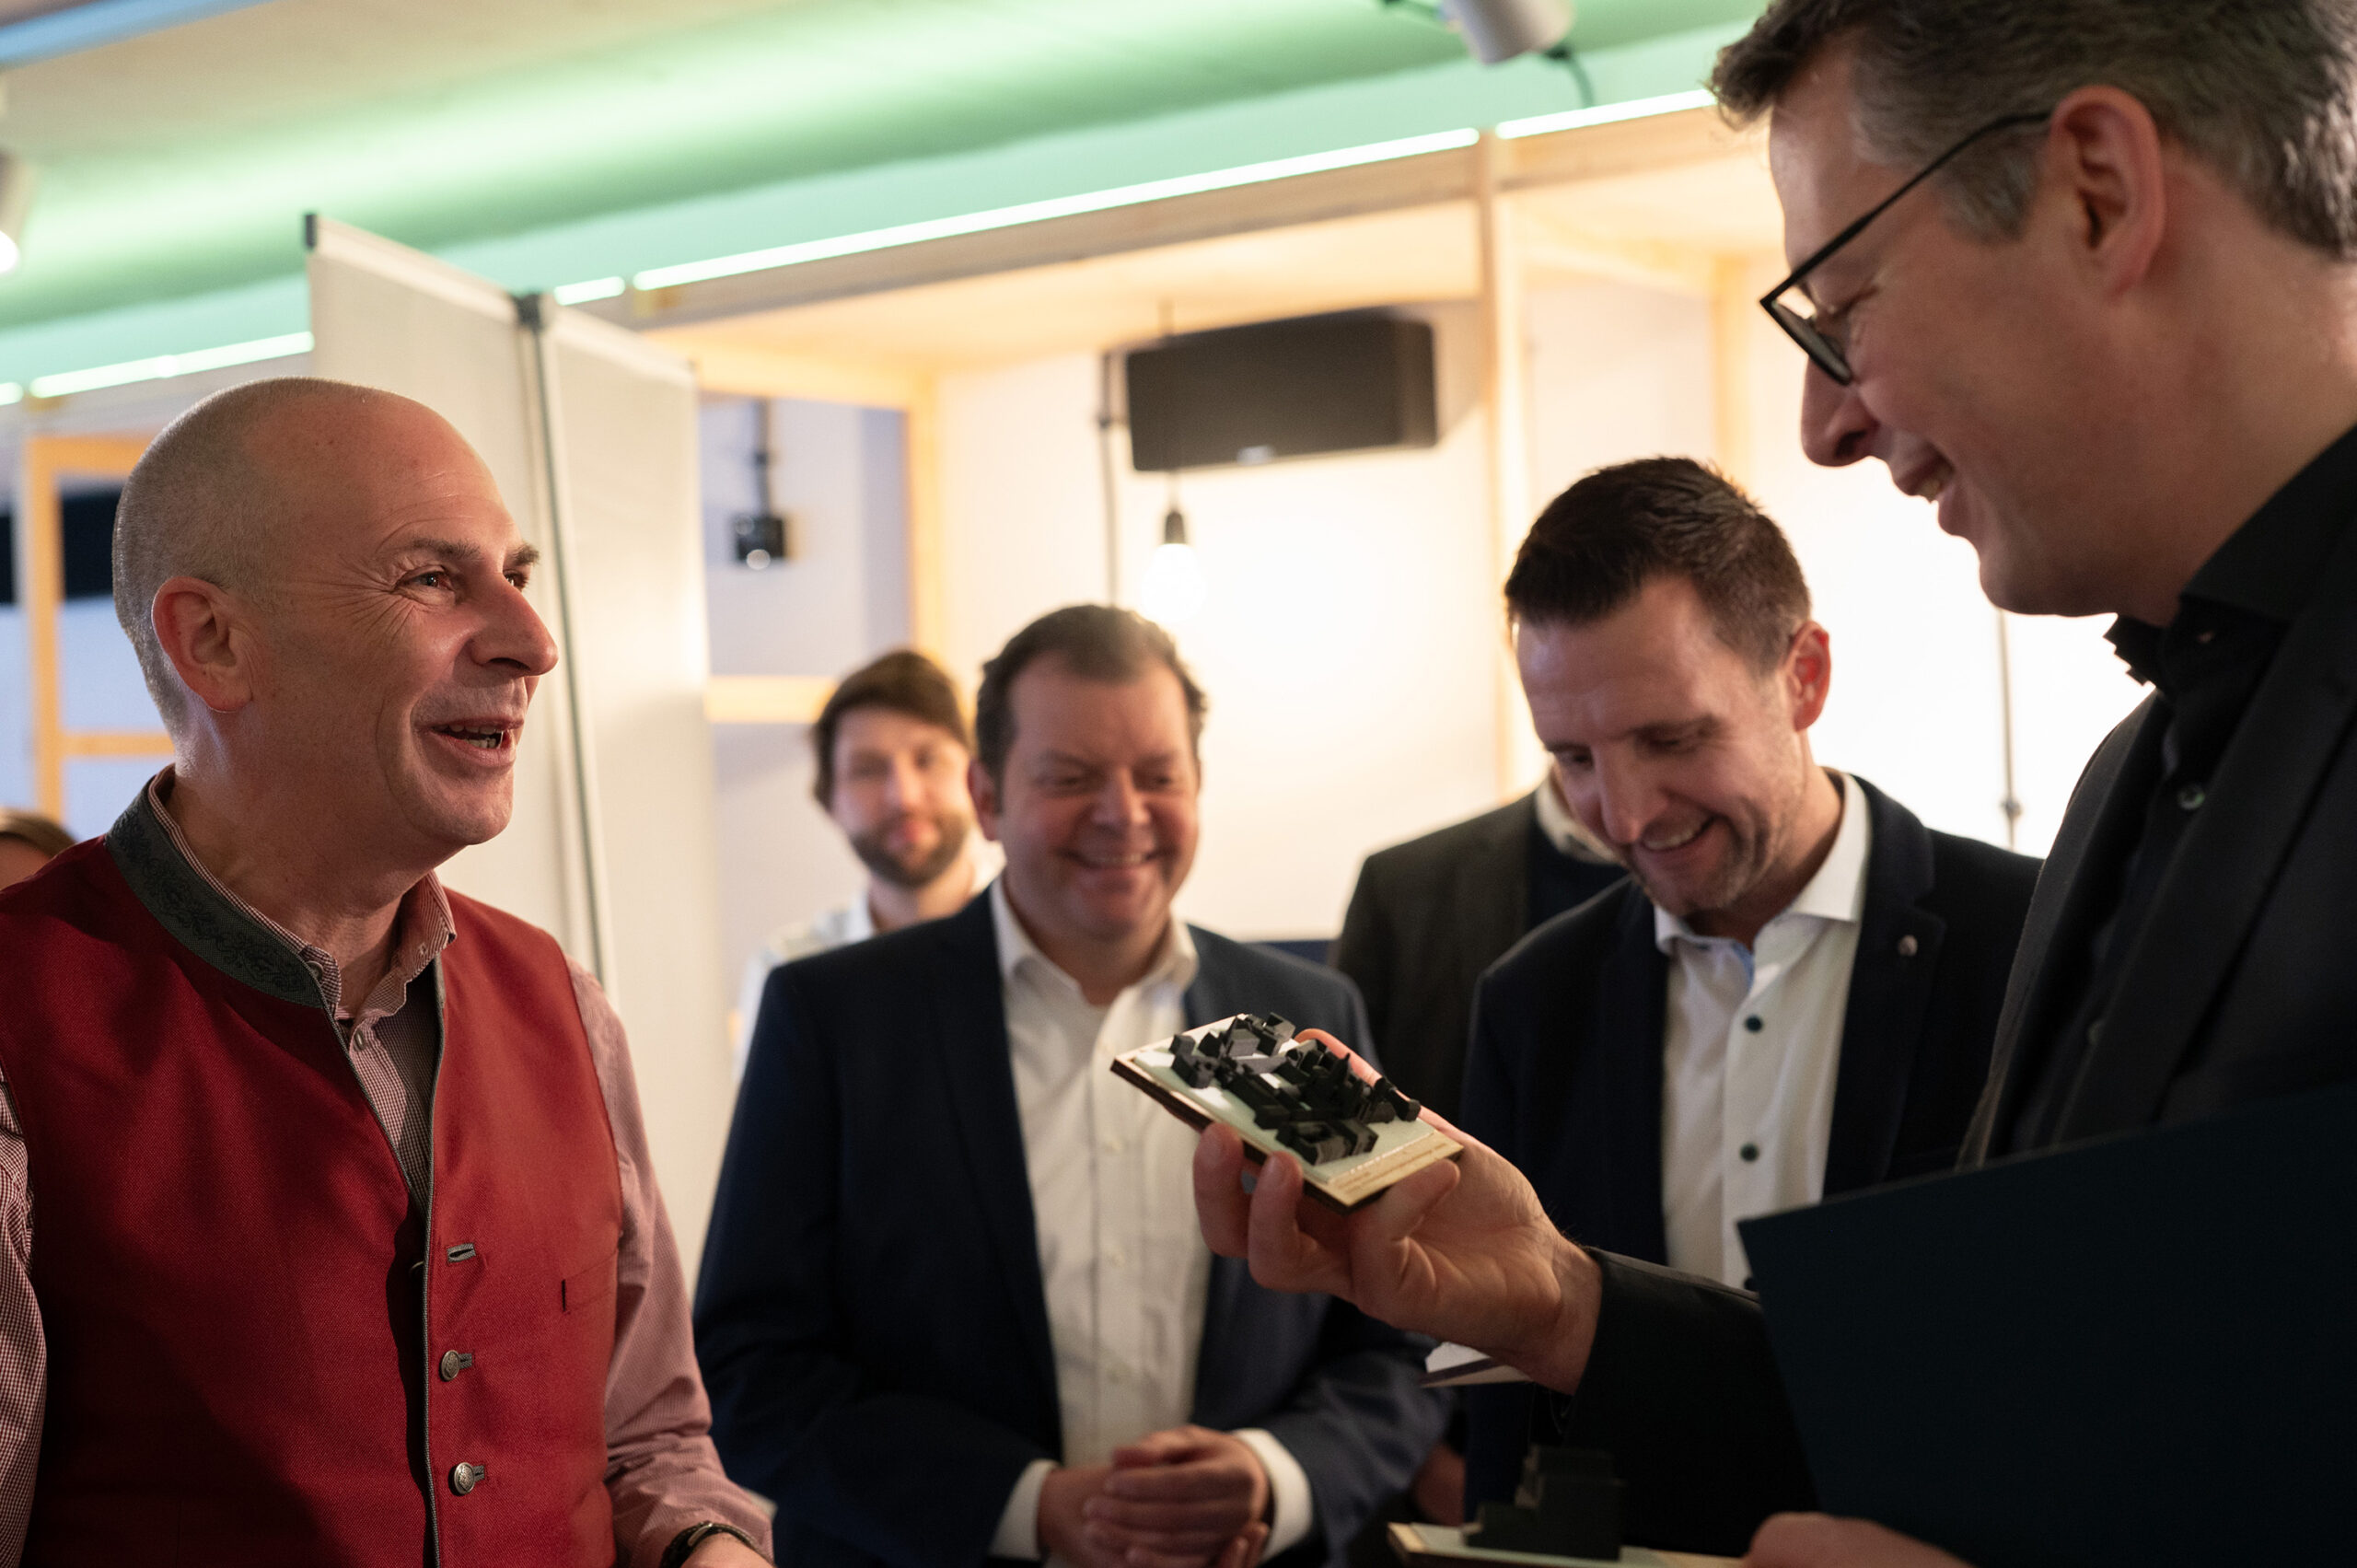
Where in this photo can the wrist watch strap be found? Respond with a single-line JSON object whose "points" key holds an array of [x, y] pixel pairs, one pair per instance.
{"points": [[695, 1536]]}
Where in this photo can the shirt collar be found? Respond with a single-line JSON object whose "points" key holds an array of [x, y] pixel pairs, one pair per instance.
{"points": [[246, 944], [1175, 965], [2269, 567], [1838, 891], [1569, 836]]}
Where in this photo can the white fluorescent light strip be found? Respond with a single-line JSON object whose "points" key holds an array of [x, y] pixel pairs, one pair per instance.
{"points": [[166, 364], [1573, 120], [582, 293], [11, 392], [1054, 207]]}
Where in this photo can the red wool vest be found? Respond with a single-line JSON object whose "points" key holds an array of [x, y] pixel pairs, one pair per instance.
{"points": [[230, 1267]]}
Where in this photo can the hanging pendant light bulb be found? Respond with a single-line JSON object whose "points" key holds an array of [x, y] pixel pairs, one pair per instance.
{"points": [[1175, 589]]}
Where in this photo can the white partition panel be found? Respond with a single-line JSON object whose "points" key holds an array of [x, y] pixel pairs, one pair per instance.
{"points": [[590, 432]]}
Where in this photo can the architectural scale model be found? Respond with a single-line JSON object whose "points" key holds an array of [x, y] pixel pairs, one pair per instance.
{"points": [[1300, 1093], [1303, 1093]]}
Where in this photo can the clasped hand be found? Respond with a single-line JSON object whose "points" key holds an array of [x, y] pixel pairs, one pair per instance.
{"points": [[1186, 1498]]}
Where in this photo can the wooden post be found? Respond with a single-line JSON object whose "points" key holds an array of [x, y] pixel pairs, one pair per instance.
{"points": [[928, 597], [1734, 312], [1505, 404], [48, 459]]}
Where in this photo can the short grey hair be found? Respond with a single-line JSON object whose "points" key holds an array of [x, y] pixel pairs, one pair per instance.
{"points": [[200, 502], [2264, 91]]}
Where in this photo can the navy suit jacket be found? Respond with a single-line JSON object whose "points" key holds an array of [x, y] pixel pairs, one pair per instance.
{"points": [[1564, 1074], [870, 1317]]}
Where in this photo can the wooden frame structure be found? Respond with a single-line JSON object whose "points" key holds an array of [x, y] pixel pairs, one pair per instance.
{"points": [[45, 462], [1498, 184]]}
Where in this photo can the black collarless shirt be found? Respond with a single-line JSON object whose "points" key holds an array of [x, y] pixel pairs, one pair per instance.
{"points": [[2205, 665]]}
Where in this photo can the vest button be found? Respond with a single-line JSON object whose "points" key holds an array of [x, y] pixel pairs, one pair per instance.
{"points": [[466, 1476], [455, 1362]]}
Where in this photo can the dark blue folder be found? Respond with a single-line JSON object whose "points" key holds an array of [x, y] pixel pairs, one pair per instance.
{"points": [[2140, 1350]]}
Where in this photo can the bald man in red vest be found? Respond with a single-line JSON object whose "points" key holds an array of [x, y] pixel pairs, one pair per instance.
{"points": [[328, 1233]]}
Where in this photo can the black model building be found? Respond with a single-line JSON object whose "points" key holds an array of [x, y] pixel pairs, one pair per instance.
{"points": [[1568, 1505], [1302, 1092]]}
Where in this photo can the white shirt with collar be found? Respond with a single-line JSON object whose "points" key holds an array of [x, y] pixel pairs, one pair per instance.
{"points": [[1750, 1053], [1121, 1258]]}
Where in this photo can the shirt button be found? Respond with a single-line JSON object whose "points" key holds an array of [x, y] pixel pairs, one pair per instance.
{"points": [[465, 1476], [1754, 1023], [455, 1362], [1750, 1152], [1907, 946], [1116, 1257], [1113, 1142], [2190, 797]]}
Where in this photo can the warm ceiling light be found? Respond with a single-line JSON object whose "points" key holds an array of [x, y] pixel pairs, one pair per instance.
{"points": [[16, 180], [1499, 29]]}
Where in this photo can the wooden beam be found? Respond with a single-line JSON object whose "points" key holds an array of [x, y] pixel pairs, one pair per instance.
{"points": [[1420, 181], [725, 364], [1506, 402], [1621, 146], [927, 561], [45, 459], [765, 699], [1735, 312], [43, 588], [1556, 157], [117, 743]]}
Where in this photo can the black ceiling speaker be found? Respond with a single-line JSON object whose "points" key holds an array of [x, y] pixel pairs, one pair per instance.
{"points": [[1343, 383]]}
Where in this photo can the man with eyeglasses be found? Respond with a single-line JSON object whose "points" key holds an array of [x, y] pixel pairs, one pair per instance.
{"points": [[2080, 271]]}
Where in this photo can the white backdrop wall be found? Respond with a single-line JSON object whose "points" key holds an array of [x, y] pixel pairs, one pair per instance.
{"points": [[843, 600], [1346, 645], [1348, 640]]}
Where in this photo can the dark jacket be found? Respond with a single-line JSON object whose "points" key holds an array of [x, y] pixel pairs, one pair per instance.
{"points": [[1564, 1077], [2239, 988], [1426, 918], [870, 1317]]}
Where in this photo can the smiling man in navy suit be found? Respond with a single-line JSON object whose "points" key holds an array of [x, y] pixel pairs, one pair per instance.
{"points": [[1794, 993], [955, 1303]]}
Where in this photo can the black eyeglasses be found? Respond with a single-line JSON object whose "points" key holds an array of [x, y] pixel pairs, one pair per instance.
{"points": [[1823, 345]]}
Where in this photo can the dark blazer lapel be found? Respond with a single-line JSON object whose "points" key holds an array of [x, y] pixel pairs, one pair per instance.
{"points": [[2104, 813], [971, 1009], [1632, 1010], [1890, 994], [2204, 909], [1493, 888]]}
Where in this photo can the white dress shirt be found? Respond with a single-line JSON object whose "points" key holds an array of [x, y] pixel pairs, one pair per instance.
{"points": [[1121, 1258], [1752, 1046]]}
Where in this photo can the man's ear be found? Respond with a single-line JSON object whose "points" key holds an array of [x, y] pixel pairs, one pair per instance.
{"points": [[984, 791], [2106, 152], [1808, 673], [209, 646]]}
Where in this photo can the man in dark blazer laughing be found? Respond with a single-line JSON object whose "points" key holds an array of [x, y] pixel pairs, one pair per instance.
{"points": [[954, 1303], [1795, 995]]}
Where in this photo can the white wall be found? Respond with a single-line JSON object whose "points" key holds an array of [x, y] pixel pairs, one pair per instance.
{"points": [[843, 600], [1348, 642]]}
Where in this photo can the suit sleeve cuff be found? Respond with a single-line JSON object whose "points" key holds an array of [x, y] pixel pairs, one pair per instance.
{"points": [[1018, 1528], [1293, 1511]]}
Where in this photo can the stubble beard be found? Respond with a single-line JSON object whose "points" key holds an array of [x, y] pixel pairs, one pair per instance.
{"points": [[875, 851]]}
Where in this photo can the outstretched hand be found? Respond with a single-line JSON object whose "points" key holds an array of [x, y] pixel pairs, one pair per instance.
{"points": [[1820, 1541], [1461, 1251]]}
